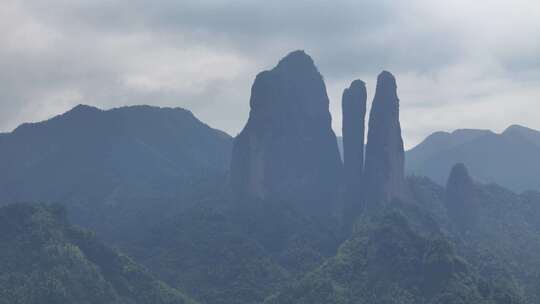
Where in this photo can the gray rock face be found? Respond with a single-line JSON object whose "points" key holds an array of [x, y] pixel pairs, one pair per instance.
{"points": [[287, 150], [460, 197], [384, 177], [353, 105]]}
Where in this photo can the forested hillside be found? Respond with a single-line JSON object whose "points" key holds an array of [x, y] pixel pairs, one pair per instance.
{"points": [[44, 259], [119, 171]]}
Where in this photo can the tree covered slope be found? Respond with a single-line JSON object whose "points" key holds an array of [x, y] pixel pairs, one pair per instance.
{"points": [[117, 171], [43, 259]]}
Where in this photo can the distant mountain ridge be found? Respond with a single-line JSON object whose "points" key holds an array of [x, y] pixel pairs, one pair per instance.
{"points": [[112, 162], [510, 158]]}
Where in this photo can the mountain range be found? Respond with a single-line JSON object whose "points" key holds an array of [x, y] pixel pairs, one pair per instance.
{"points": [[184, 213], [515, 151], [113, 169], [509, 159]]}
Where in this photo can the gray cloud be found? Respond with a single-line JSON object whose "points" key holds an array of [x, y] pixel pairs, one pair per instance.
{"points": [[458, 64]]}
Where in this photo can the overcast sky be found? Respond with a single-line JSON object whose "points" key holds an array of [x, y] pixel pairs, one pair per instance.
{"points": [[458, 63]]}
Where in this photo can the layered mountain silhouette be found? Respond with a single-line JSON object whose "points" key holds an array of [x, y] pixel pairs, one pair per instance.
{"points": [[113, 168], [290, 222], [509, 159]]}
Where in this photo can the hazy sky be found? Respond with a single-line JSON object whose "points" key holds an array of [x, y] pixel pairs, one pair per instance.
{"points": [[458, 63]]}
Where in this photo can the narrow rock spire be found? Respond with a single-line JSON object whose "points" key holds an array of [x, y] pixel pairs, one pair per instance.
{"points": [[384, 174], [460, 198], [353, 105]]}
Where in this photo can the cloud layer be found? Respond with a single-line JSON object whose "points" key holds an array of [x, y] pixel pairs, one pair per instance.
{"points": [[458, 63]]}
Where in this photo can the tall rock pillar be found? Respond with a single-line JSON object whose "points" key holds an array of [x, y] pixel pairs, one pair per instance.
{"points": [[460, 198], [353, 105], [384, 174], [287, 150]]}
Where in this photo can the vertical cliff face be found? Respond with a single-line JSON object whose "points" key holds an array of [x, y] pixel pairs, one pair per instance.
{"points": [[460, 197], [353, 105], [287, 150], [384, 177]]}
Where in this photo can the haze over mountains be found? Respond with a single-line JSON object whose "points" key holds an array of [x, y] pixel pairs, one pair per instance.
{"points": [[509, 159], [515, 151], [272, 216], [125, 162]]}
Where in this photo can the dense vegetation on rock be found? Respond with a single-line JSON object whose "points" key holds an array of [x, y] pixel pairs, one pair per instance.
{"points": [[43, 259], [219, 252], [205, 253], [385, 261], [501, 240]]}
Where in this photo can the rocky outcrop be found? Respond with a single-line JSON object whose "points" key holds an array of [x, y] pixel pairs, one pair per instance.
{"points": [[353, 105], [384, 177], [287, 150], [460, 197]]}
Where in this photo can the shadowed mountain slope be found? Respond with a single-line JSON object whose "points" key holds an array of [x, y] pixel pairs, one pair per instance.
{"points": [[510, 159], [113, 168]]}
